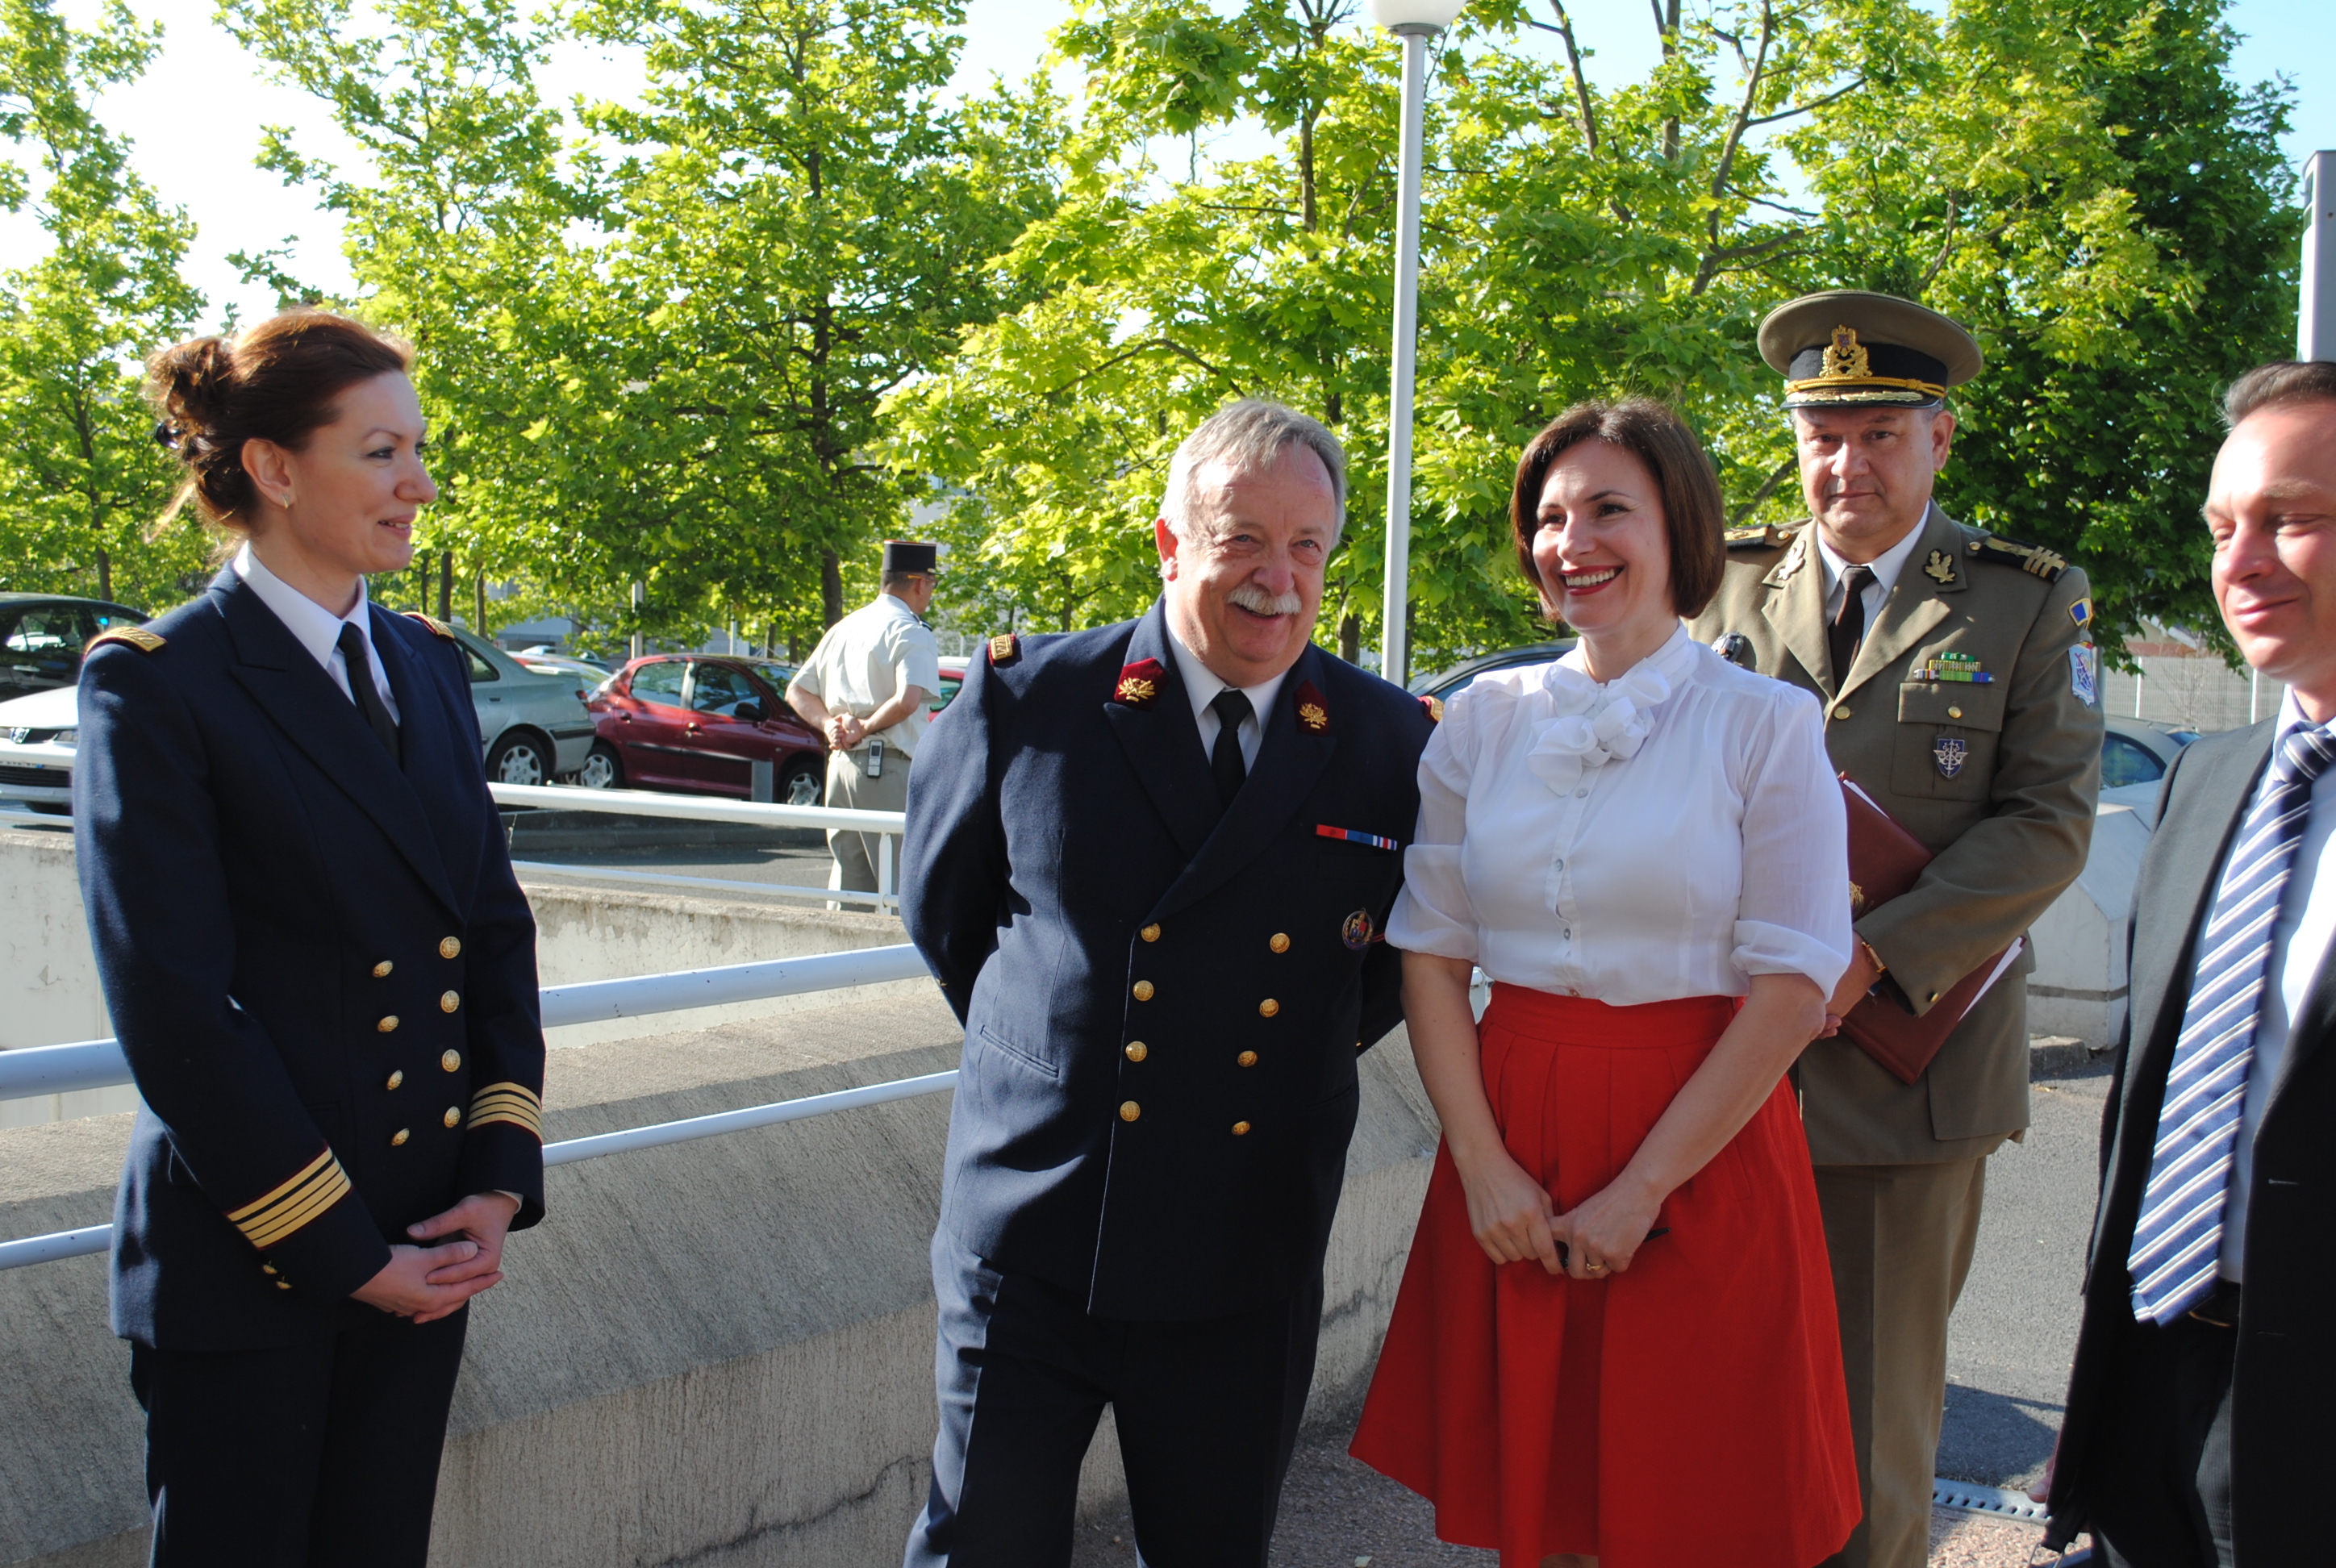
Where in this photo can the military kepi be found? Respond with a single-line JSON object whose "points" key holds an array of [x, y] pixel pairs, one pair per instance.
{"points": [[1844, 348], [906, 558]]}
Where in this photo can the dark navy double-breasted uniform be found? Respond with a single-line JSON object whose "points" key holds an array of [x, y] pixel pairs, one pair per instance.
{"points": [[1163, 999], [321, 971]]}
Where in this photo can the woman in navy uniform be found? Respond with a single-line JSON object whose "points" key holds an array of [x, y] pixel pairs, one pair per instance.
{"points": [[319, 966]]}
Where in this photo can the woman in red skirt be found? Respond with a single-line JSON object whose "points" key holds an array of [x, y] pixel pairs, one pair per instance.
{"points": [[1615, 1342]]}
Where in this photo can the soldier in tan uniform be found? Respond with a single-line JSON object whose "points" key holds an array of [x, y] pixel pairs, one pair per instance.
{"points": [[1961, 693]]}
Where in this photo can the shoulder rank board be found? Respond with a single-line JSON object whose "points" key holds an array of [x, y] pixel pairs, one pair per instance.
{"points": [[136, 636], [2032, 559], [1762, 538], [1435, 706], [437, 627], [1003, 649]]}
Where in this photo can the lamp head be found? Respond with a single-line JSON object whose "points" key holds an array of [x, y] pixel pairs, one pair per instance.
{"points": [[1427, 16]]}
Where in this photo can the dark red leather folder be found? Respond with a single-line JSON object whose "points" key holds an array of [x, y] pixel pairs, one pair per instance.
{"points": [[1885, 861]]}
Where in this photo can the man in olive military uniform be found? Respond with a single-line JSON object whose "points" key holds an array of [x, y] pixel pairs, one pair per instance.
{"points": [[1149, 864], [1961, 694]]}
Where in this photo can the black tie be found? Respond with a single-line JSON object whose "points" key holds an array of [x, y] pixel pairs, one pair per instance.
{"points": [[1848, 628], [1230, 707], [367, 695]]}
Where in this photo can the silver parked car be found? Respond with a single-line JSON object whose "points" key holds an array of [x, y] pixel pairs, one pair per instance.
{"points": [[534, 726]]}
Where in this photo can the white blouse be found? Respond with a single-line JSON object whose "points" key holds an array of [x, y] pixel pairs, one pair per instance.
{"points": [[1670, 834]]}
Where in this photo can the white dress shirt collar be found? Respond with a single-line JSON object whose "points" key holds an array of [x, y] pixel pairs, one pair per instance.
{"points": [[314, 626], [1885, 568], [1202, 685]]}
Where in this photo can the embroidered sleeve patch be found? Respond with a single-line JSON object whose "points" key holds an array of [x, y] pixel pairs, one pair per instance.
{"points": [[2085, 674]]}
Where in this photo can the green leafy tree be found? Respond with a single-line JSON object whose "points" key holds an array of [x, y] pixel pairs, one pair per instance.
{"points": [[82, 477]]}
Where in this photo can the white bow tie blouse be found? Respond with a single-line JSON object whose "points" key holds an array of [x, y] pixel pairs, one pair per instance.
{"points": [[1669, 833]]}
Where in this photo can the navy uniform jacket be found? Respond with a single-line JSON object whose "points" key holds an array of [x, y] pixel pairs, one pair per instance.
{"points": [[319, 965], [1162, 1001]]}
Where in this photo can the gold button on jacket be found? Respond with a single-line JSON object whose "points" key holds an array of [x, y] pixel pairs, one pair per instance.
{"points": [[1279, 941], [1150, 933], [1267, 1007], [397, 1076], [387, 1025], [1137, 1050], [1241, 1129], [450, 1001], [397, 1139], [381, 971], [1246, 1059], [1129, 1110], [453, 1116], [451, 1061], [450, 947], [1144, 990]]}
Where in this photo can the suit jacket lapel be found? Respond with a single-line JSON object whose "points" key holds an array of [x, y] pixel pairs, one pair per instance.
{"points": [[1162, 743], [1915, 603], [300, 699], [1289, 760], [429, 758], [1794, 607]]}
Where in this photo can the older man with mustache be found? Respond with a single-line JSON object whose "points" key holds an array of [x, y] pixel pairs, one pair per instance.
{"points": [[1150, 865]]}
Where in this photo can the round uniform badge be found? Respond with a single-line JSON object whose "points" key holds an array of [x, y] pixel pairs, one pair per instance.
{"points": [[1358, 933]]}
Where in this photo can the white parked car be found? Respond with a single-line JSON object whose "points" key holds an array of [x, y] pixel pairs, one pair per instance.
{"points": [[36, 749]]}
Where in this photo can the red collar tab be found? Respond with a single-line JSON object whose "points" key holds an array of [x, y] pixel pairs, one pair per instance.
{"points": [[1313, 711], [1139, 683]]}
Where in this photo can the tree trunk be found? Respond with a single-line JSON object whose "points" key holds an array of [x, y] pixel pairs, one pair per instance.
{"points": [[831, 588], [105, 575], [445, 585], [1351, 638], [479, 603]]}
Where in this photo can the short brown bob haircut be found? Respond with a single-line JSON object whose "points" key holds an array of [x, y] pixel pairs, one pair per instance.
{"points": [[1694, 516], [2277, 385]]}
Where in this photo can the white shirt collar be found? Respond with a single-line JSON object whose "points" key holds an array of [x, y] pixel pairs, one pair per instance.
{"points": [[1202, 684], [897, 607], [1886, 568], [312, 626]]}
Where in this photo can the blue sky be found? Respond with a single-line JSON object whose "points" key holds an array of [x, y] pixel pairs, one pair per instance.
{"points": [[205, 168]]}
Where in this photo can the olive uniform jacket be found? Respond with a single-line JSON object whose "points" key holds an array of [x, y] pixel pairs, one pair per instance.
{"points": [[318, 962], [1163, 998], [1997, 778]]}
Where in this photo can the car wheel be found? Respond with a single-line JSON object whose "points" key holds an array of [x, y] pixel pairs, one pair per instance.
{"points": [[803, 784], [602, 770], [519, 758]]}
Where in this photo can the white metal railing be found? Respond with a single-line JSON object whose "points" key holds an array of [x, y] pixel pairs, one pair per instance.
{"points": [[888, 825]]}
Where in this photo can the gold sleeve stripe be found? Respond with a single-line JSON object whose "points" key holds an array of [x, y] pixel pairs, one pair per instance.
{"points": [[275, 1216], [513, 1103]]}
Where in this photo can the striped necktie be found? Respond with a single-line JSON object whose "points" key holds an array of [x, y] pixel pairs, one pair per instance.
{"points": [[2178, 1243]]}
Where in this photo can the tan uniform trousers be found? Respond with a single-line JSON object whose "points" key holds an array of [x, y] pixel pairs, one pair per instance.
{"points": [[1900, 1238], [849, 785]]}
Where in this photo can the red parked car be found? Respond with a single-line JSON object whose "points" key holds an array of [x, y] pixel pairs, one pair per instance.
{"points": [[697, 724]]}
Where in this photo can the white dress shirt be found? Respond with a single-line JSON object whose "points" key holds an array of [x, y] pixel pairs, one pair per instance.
{"points": [[1202, 684], [1886, 568], [2307, 921], [317, 628], [864, 660], [1670, 834]]}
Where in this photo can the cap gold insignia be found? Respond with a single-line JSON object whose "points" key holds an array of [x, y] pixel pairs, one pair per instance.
{"points": [[1939, 567], [1846, 359]]}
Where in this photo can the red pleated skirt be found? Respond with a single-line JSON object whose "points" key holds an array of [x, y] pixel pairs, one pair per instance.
{"points": [[1690, 1411]]}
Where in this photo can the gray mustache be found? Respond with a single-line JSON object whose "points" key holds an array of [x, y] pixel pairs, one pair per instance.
{"points": [[1251, 598]]}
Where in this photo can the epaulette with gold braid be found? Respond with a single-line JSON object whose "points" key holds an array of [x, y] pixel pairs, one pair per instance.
{"points": [[437, 627], [2031, 558], [136, 636]]}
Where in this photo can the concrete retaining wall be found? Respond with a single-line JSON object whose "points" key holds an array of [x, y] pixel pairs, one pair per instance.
{"points": [[717, 1352]]}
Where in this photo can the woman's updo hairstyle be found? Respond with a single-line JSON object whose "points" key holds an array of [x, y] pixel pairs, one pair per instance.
{"points": [[277, 380]]}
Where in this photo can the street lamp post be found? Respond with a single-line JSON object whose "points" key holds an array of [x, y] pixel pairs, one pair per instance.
{"points": [[1415, 22], [2315, 320]]}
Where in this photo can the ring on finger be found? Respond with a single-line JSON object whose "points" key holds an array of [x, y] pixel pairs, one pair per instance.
{"points": [[1594, 1266]]}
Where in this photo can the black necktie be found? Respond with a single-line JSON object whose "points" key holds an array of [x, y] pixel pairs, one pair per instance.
{"points": [[362, 690], [1230, 707], [1848, 628]]}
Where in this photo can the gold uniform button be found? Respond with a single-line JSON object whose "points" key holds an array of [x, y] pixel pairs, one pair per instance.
{"points": [[1137, 1050], [453, 1116], [388, 1026], [1267, 1007], [397, 1076], [283, 1285], [1144, 990], [1246, 1059], [397, 1139], [268, 1267], [1129, 1110], [1841, 712], [381, 971], [1279, 941], [450, 1061], [451, 948], [1150, 933], [1241, 1129], [450, 1001], [1954, 713]]}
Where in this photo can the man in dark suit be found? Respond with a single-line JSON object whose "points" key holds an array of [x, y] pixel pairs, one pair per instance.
{"points": [[1150, 864], [2196, 1431]]}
